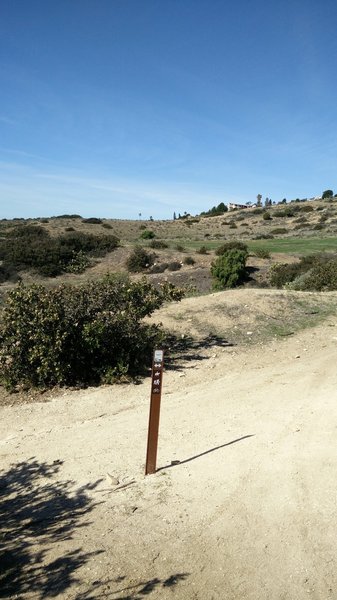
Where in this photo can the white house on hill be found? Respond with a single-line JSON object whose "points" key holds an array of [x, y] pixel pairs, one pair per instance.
{"points": [[234, 206]]}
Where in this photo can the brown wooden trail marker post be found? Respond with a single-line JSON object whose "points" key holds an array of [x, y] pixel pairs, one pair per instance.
{"points": [[152, 437]]}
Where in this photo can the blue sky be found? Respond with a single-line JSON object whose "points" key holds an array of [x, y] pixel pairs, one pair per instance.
{"points": [[113, 108]]}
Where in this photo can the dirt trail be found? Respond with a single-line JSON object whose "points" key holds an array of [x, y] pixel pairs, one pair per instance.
{"points": [[249, 513]]}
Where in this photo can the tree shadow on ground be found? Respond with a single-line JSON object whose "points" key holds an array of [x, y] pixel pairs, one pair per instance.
{"points": [[184, 349], [38, 512], [132, 592]]}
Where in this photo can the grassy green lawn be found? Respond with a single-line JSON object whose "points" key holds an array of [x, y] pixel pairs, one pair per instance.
{"points": [[296, 245], [284, 245]]}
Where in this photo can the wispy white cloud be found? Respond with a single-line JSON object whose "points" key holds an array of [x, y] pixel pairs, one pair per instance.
{"points": [[21, 153], [29, 192]]}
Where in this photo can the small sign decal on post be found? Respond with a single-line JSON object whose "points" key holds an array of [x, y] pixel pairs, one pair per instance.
{"points": [[156, 386]]}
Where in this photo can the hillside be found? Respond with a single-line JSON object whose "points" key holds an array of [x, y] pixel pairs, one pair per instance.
{"points": [[289, 230]]}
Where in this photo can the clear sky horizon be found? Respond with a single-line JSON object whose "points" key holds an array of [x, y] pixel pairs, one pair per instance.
{"points": [[112, 108]]}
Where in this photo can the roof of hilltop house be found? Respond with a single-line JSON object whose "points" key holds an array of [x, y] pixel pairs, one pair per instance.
{"points": [[234, 206]]}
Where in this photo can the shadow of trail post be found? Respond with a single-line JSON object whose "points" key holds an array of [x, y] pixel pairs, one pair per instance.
{"points": [[36, 513], [187, 460]]}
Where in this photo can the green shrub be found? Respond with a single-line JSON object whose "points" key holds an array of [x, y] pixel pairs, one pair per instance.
{"points": [[158, 244], [92, 221], [318, 226], [262, 253], [147, 234], [322, 277], [202, 250], [189, 260], [69, 229], [67, 217], [174, 266], [31, 247], [93, 245], [231, 245], [279, 231], [229, 269], [215, 210], [85, 334], [8, 273], [106, 225], [79, 263], [266, 216], [264, 236], [139, 260], [180, 248], [159, 267], [306, 208], [233, 225], [282, 274], [285, 212]]}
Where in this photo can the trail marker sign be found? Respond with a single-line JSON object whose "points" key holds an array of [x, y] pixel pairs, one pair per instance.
{"points": [[156, 386]]}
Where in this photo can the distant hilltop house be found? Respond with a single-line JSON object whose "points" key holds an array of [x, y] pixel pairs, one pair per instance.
{"points": [[234, 206]]}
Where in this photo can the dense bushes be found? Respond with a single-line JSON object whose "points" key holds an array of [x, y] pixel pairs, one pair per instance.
{"points": [[281, 274], [202, 250], [8, 273], [323, 277], [175, 265], [159, 267], [67, 217], [232, 245], [289, 211], [215, 210], [263, 236], [229, 269], [92, 221], [262, 253], [316, 272], [158, 244], [278, 231], [31, 247], [147, 234], [86, 334], [139, 260]]}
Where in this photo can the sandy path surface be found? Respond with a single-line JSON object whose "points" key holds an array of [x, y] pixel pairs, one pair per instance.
{"points": [[249, 513]]}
